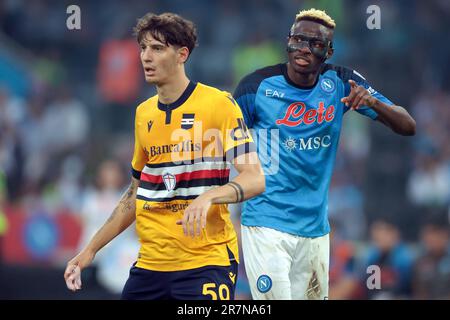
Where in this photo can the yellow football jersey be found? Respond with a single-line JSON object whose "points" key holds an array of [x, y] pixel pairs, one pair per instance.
{"points": [[181, 151]]}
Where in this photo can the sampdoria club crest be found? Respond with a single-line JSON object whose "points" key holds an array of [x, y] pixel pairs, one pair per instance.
{"points": [[187, 121], [169, 181]]}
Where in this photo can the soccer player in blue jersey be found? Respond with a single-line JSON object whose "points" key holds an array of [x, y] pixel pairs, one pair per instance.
{"points": [[285, 229]]}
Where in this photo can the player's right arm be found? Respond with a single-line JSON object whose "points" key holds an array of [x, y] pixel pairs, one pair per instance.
{"points": [[362, 97], [121, 218]]}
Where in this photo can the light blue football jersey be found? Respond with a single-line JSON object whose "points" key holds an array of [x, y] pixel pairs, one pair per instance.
{"points": [[296, 130]]}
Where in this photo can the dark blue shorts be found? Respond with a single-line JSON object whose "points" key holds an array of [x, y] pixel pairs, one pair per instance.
{"points": [[205, 283]]}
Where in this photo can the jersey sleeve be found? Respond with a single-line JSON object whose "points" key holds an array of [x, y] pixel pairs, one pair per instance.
{"points": [[245, 95], [139, 156], [361, 81], [235, 134]]}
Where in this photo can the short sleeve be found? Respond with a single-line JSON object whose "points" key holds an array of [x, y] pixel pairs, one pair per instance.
{"points": [[236, 136]]}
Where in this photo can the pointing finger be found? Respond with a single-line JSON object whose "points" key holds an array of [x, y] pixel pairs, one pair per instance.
{"points": [[356, 102], [349, 100]]}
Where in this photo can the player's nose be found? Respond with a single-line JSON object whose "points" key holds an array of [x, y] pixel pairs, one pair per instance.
{"points": [[304, 47], [146, 55]]}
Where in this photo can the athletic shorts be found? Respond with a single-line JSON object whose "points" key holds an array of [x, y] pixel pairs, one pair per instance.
{"points": [[282, 266], [205, 283]]}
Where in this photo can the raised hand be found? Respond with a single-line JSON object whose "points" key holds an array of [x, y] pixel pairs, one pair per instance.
{"points": [[358, 96]]}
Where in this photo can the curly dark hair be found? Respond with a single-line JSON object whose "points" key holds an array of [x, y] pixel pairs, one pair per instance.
{"points": [[169, 28]]}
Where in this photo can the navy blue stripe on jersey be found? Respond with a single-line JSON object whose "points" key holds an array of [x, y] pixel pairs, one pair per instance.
{"points": [[229, 155], [185, 183], [185, 162], [240, 150], [166, 199], [136, 174]]}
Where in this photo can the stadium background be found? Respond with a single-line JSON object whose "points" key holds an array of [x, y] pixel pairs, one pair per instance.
{"points": [[67, 101]]}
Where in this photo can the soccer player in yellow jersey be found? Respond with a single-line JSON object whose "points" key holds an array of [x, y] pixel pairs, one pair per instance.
{"points": [[186, 138]]}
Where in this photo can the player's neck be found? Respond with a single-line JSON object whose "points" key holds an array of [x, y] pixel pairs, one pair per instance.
{"points": [[302, 79], [170, 92]]}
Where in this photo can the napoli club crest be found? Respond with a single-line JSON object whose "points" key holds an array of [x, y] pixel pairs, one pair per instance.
{"points": [[327, 85], [264, 283]]}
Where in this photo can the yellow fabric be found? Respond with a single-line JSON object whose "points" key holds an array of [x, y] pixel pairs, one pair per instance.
{"points": [[212, 122]]}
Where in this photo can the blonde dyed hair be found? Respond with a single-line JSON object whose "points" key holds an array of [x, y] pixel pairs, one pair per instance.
{"points": [[319, 16]]}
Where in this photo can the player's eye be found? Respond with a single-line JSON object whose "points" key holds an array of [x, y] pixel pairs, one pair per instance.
{"points": [[319, 44], [157, 48]]}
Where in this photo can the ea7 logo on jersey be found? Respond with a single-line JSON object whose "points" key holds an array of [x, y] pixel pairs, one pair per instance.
{"points": [[274, 93], [296, 114], [187, 121], [240, 132]]}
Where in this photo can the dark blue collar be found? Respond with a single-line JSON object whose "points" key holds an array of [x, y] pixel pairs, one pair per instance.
{"points": [[182, 99]]}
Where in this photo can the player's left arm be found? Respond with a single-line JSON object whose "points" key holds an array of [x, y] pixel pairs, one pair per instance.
{"points": [[247, 184], [393, 116]]}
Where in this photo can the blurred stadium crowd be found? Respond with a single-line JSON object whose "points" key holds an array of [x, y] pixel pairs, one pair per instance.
{"points": [[67, 101]]}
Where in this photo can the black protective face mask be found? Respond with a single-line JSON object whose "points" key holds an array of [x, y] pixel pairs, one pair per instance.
{"points": [[318, 46]]}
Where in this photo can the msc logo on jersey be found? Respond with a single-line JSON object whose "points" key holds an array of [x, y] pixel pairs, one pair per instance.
{"points": [[264, 283], [290, 144], [169, 181], [187, 121], [240, 132], [327, 85], [311, 143]]}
